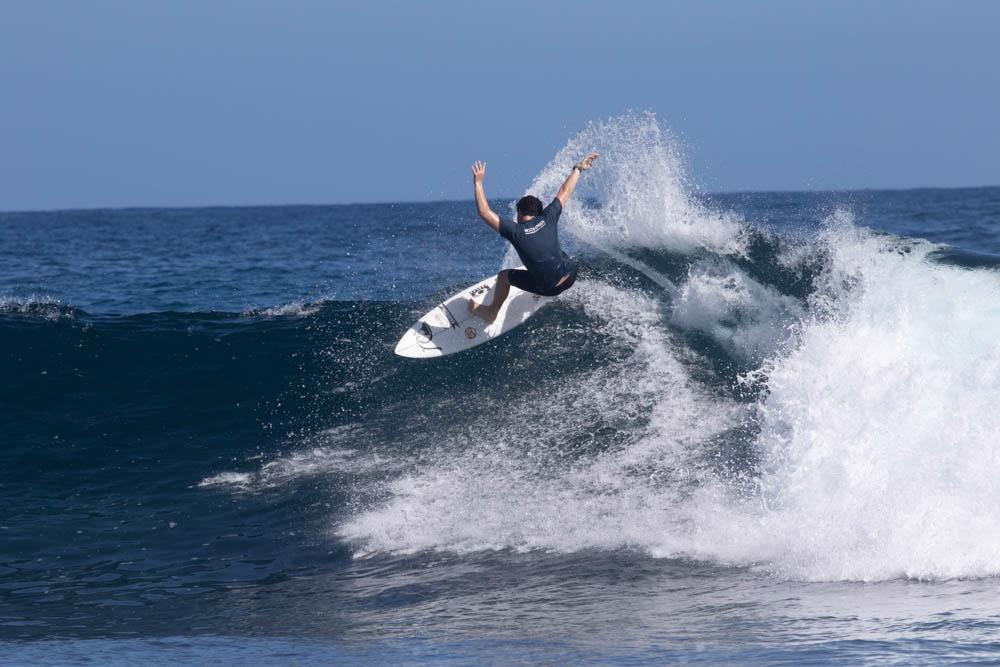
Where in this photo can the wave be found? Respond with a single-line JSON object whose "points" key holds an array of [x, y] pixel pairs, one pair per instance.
{"points": [[820, 410], [47, 308], [815, 406]]}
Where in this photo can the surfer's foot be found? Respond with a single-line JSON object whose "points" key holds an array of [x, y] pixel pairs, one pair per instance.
{"points": [[482, 311]]}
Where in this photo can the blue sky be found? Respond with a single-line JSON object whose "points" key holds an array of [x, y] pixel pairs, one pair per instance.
{"points": [[120, 103]]}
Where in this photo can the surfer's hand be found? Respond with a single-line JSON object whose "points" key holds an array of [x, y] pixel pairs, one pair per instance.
{"points": [[587, 162], [478, 171]]}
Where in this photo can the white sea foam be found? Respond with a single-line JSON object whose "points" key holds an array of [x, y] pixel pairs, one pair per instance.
{"points": [[295, 309], [236, 480], [750, 320], [315, 461], [320, 460], [881, 431], [40, 305]]}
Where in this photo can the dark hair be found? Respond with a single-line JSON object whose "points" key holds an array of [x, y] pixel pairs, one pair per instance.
{"points": [[529, 205]]}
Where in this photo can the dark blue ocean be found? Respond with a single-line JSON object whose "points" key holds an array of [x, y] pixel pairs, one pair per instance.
{"points": [[761, 429]]}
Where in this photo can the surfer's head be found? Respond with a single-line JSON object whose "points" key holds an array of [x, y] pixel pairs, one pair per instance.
{"points": [[529, 205]]}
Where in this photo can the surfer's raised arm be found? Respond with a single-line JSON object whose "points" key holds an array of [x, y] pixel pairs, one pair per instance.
{"points": [[570, 184], [483, 206]]}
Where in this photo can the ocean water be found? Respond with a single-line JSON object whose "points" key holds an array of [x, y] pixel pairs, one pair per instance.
{"points": [[761, 429]]}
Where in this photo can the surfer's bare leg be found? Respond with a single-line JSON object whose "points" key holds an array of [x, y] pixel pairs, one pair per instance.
{"points": [[500, 292]]}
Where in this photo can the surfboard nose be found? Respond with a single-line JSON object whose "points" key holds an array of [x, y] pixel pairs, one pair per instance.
{"points": [[418, 343]]}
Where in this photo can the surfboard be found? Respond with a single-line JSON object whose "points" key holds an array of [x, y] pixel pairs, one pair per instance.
{"points": [[449, 327]]}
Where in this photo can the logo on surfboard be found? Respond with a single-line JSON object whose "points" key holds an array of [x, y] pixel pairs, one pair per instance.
{"points": [[470, 333]]}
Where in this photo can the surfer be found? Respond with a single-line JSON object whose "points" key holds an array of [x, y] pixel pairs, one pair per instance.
{"points": [[548, 270]]}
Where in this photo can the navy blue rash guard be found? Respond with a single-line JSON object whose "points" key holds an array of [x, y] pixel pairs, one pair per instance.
{"points": [[537, 244]]}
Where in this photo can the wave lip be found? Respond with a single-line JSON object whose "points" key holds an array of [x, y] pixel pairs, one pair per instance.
{"points": [[44, 307], [39, 306]]}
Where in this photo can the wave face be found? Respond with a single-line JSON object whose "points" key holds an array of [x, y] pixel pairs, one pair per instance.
{"points": [[756, 384]]}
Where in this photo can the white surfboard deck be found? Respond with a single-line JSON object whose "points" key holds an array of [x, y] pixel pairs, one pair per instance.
{"points": [[449, 327]]}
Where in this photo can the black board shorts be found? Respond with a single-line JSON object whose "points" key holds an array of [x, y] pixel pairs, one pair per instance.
{"points": [[523, 280]]}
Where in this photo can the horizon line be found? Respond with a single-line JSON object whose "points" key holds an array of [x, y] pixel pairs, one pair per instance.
{"points": [[146, 207]]}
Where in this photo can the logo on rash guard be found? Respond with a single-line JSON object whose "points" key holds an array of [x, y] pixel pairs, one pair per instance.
{"points": [[532, 230]]}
